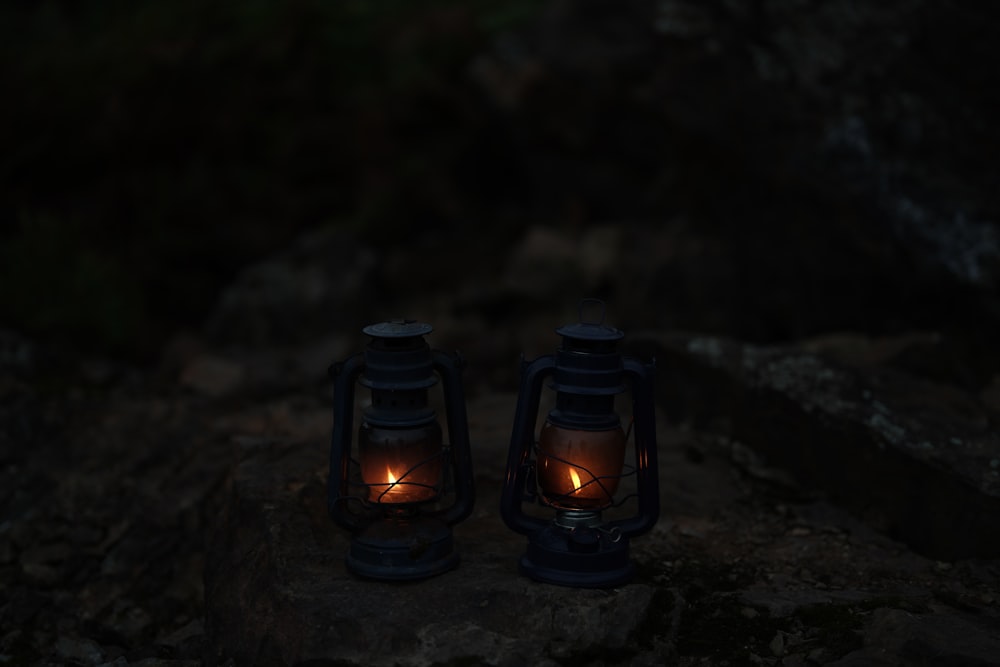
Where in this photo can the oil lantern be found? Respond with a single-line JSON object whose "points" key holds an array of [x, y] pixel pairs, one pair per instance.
{"points": [[574, 466], [402, 487]]}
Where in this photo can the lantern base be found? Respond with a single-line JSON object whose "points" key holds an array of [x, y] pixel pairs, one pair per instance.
{"points": [[579, 557], [402, 549]]}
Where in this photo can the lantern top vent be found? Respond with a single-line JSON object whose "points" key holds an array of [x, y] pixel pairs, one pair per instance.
{"points": [[398, 329]]}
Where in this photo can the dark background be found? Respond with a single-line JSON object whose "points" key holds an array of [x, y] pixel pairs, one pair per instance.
{"points": [[815, 169]]}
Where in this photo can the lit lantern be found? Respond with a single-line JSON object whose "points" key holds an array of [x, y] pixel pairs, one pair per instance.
{"points": [[576, 463], [406, 487]]}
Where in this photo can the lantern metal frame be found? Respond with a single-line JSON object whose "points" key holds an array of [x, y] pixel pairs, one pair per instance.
{"points": [[406, 540], [577, 547]]}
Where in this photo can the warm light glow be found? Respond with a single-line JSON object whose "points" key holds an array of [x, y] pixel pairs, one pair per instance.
{"points": [[401, 465], [566, 455], [393, 492]]}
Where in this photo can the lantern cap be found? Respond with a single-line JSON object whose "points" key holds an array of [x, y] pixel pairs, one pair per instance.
{"points": [[587, 364], [398, 358], [398, 328], [590, 329]]}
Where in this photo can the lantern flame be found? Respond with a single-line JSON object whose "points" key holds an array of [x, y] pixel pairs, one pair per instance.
{"points": [[392, 490], [575, 479]]}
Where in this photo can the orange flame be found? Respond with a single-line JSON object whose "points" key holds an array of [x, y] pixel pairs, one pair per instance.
{"points": [[575, 479]]}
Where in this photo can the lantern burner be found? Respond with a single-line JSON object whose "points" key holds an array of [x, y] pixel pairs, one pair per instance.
{"points": [[571, 519]]}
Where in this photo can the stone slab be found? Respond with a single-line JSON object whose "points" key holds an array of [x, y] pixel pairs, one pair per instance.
{"points": [[731, 573], [280, 593], [919, 461]]}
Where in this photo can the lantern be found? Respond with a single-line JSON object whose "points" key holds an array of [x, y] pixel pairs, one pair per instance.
{"points": [[576, 463], [404, 487]]}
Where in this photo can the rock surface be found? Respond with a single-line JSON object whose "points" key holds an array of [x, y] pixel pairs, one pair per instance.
{"points": [[279, 592], [738, 569], [919, 460], [102, 553]]}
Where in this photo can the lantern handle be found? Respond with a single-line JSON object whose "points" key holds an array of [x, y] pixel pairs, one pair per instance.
{"points": [[591, 301], [449, 367], [521, 442], [345, 376], [646, 466]]}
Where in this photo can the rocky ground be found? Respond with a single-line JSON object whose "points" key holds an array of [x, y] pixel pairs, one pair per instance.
{"points": [[177, 514]]}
